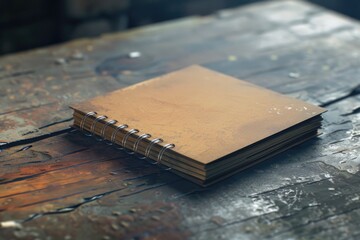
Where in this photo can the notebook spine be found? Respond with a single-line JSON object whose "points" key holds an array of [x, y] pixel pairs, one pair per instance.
{"points": [[95, 119]]}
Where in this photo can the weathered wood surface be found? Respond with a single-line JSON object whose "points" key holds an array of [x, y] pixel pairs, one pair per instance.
{"points": [[56, 183]]}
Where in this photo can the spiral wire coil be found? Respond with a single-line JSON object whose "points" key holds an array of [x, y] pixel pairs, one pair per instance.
{"points": [[111, 122]]}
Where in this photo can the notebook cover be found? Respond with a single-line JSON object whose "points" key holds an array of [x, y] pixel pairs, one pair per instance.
{"points": [[206, 114]]}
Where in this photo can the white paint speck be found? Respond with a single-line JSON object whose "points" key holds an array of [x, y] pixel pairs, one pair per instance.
{"points": [[357, 198], [294, 75], [134, 54], [10, 224], [314, 204]]}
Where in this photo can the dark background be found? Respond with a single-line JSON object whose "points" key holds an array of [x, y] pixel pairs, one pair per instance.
{"points": [[29, 24]]}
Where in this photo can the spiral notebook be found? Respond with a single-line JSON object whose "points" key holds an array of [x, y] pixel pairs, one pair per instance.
{"points": [[198, 123]]}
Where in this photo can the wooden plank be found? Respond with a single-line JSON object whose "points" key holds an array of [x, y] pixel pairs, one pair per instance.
{"points": [[53, 178]]}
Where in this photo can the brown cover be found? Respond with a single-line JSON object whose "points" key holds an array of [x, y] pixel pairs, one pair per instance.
{"points": [[206, 114]]}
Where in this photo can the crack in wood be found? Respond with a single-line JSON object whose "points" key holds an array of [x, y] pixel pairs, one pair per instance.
{"points": [[71, 208], [35, 139], [353, 92], [17, 74], [57, 122], [86, 200], [354, 111]]}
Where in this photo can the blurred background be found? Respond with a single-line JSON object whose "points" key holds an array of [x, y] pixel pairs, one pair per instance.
{"points": [[30, 24]]}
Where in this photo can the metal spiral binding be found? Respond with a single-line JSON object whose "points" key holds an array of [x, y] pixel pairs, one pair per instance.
{"points": [[125, 138], [82, 123], [136, 144], [92, 129], [113, 135], [123, 142], [147, 150], [110, 122], [161, 153]]}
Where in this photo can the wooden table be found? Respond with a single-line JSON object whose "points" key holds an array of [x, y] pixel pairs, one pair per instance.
{"points": [[56, 183]]}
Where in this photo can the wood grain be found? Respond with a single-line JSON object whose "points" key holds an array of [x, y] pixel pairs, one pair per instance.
{"points": [[59, 183]]}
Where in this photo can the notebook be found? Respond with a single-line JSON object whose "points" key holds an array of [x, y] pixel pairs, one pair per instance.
{"points": [[198, 123]]}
